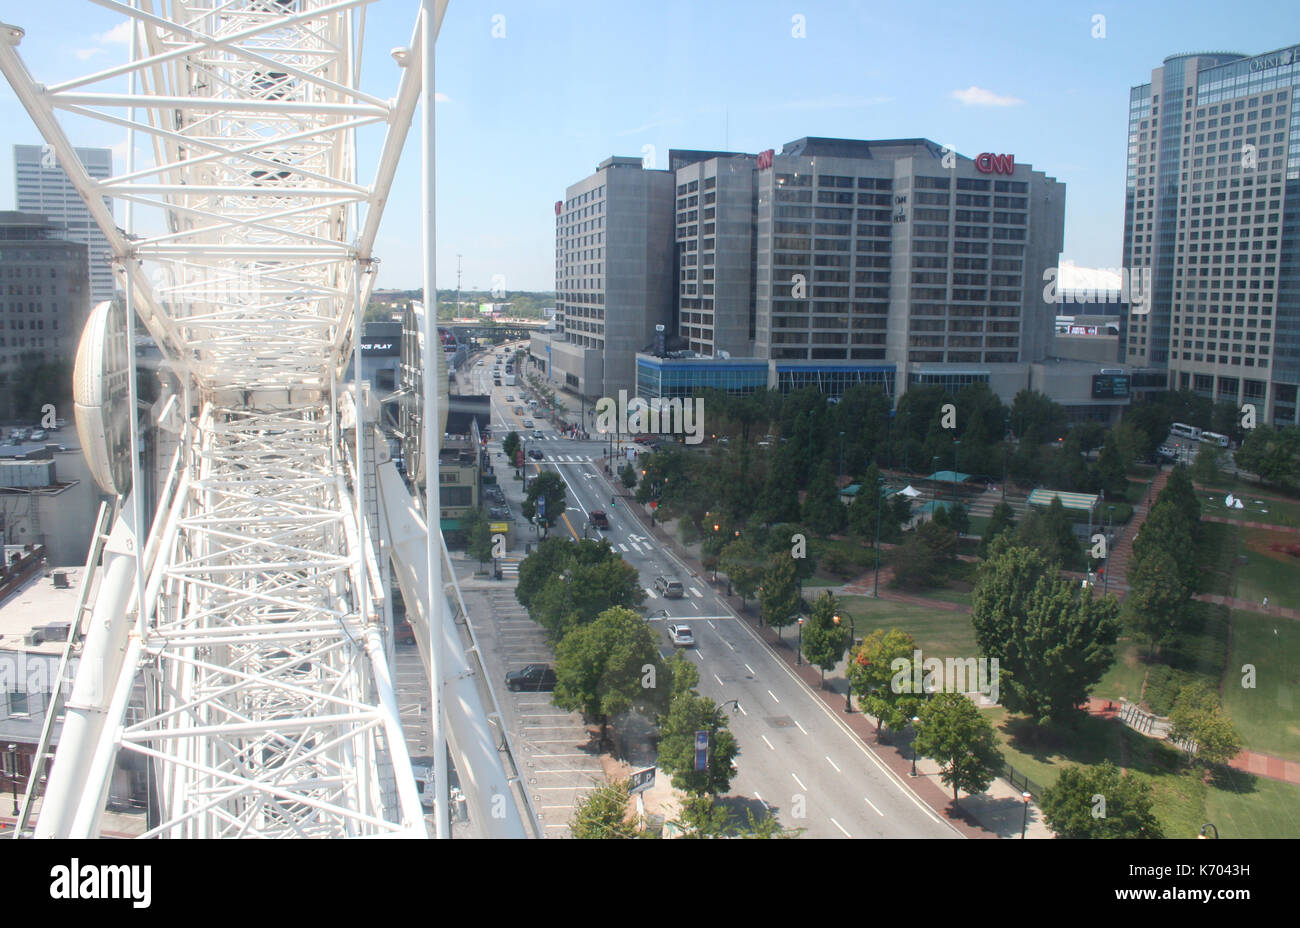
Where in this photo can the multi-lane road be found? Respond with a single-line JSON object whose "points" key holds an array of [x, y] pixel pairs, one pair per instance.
{"points": [[797, 757]]}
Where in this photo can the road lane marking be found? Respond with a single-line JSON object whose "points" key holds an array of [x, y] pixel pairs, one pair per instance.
{"points": [[712, 626], [801, 728], [833, 764], [873, 805], [695, 592], [751, 670], [800, 782], [841, 828], [762, 800], [718, 678], [773, 695], [623, 548], [768, 743]]}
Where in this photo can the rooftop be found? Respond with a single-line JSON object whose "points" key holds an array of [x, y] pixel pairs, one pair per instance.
{"points": [[39, 602]]}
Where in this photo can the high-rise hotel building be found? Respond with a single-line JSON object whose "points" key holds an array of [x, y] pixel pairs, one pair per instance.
{"points": [[1212, 209], [613, 277]]}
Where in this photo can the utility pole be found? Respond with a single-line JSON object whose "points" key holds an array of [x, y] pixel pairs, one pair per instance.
{"points": [[458, 286]]}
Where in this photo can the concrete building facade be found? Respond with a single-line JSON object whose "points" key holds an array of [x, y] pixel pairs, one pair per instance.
{"points": [[42, 186], [44, 298], [613, 277]]}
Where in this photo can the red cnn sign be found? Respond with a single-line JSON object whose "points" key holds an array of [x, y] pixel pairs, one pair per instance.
{"points": [[989, 163], [765, 159], [558, 206]]}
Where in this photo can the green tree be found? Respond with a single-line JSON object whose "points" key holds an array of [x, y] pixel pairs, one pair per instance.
{"points": [[1157, 599], [585, 590], [954, 733], [702, 816], [605, 668], [479, 535], [779, 593], [959, 519], [778, 501], [511, 445], [603, 813], [550, 486], [1112, 468], [1051, 531], [925, 558], [1001, 522], [1035, 418], [824, 638], [1072, 810], [628, 475], [1166, 529], [882, 691], [1273, 454], [1198, 720], [822, 508], [743, 565], [1052, 643], [688, 713], [1207, 469], [548, 559]]}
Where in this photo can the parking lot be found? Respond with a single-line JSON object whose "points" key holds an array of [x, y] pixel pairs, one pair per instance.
{"points": [[556, 754]]}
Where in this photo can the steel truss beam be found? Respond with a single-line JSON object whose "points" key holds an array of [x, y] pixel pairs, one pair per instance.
{"points": [[270, 708]]}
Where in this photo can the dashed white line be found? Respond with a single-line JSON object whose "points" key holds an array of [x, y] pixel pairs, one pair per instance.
{"points": [[800, 782], [801, 728], [718, 678], [750, 669], [768, 743], [773, 695], [623, 548], [761, 799], [833, 764], [873, 806], [841, 828]]}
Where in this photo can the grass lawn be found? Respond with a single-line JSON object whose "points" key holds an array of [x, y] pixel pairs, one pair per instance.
{"points": [[937, 633], [1242, 806], [979, 524], [1267, 572], [1136, 491], [1125, 677], [1230, 484], [1254, 509], [1266, 717]]}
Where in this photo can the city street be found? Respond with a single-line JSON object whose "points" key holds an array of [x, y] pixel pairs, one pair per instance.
{"points": [[797, 758]]}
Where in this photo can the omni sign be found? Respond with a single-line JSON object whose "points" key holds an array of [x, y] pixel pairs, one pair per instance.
{"points": [[989, 163]]}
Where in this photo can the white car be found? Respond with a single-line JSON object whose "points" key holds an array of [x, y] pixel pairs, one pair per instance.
{"points": [[528, 423], [681, 636]]}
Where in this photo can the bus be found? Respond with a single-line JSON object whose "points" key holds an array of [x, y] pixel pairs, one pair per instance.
{"points": [[1215, 438], [1186, 431], [510, 380]]}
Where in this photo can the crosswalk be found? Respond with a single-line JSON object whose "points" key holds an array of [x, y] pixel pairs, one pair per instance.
{"points": [[510, 566], [571, 458]]}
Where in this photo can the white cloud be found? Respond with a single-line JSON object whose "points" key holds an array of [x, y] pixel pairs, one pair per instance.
{"points": [[978, 96], [85, 54], [440, 97], [118, 35]]}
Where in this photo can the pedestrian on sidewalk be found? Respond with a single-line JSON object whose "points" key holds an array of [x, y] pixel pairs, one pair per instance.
{"points": [[1265, 602]]}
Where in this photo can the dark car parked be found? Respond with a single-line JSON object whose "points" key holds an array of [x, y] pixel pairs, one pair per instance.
{"points": [[535, 678]]}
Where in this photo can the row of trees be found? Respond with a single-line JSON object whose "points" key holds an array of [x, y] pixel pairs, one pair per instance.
{"points": [[1162, 574]]}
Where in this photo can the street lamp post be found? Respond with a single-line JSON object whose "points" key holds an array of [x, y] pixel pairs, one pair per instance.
{"points": [[13, 777], [799, 653], [880, 504], [916, 722], [848, 688], [1024, 825], [1211, 827]]}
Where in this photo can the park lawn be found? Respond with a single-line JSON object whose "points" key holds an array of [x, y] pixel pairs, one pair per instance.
{"points": [[1268, 511], [1244, 806], [1252, 807], [979, 525], [1267, 572], [1266, 717], [937, 633], [1126, 675], [1230, 484], [1136, 490]]}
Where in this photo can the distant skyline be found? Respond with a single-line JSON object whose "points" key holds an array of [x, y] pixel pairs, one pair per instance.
{"points": [[533, 96]]}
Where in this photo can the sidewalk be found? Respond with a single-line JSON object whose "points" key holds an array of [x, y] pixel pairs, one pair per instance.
{"points": [[997, 813]]}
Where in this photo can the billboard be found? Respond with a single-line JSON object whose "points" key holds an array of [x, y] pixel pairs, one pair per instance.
{"points": [[1110, 386]]}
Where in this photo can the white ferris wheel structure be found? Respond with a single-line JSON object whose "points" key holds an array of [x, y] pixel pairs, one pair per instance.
{"points": [[237, 641]]}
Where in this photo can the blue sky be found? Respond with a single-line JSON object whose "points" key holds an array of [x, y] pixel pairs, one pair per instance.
{"points": [[574, 82]]}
